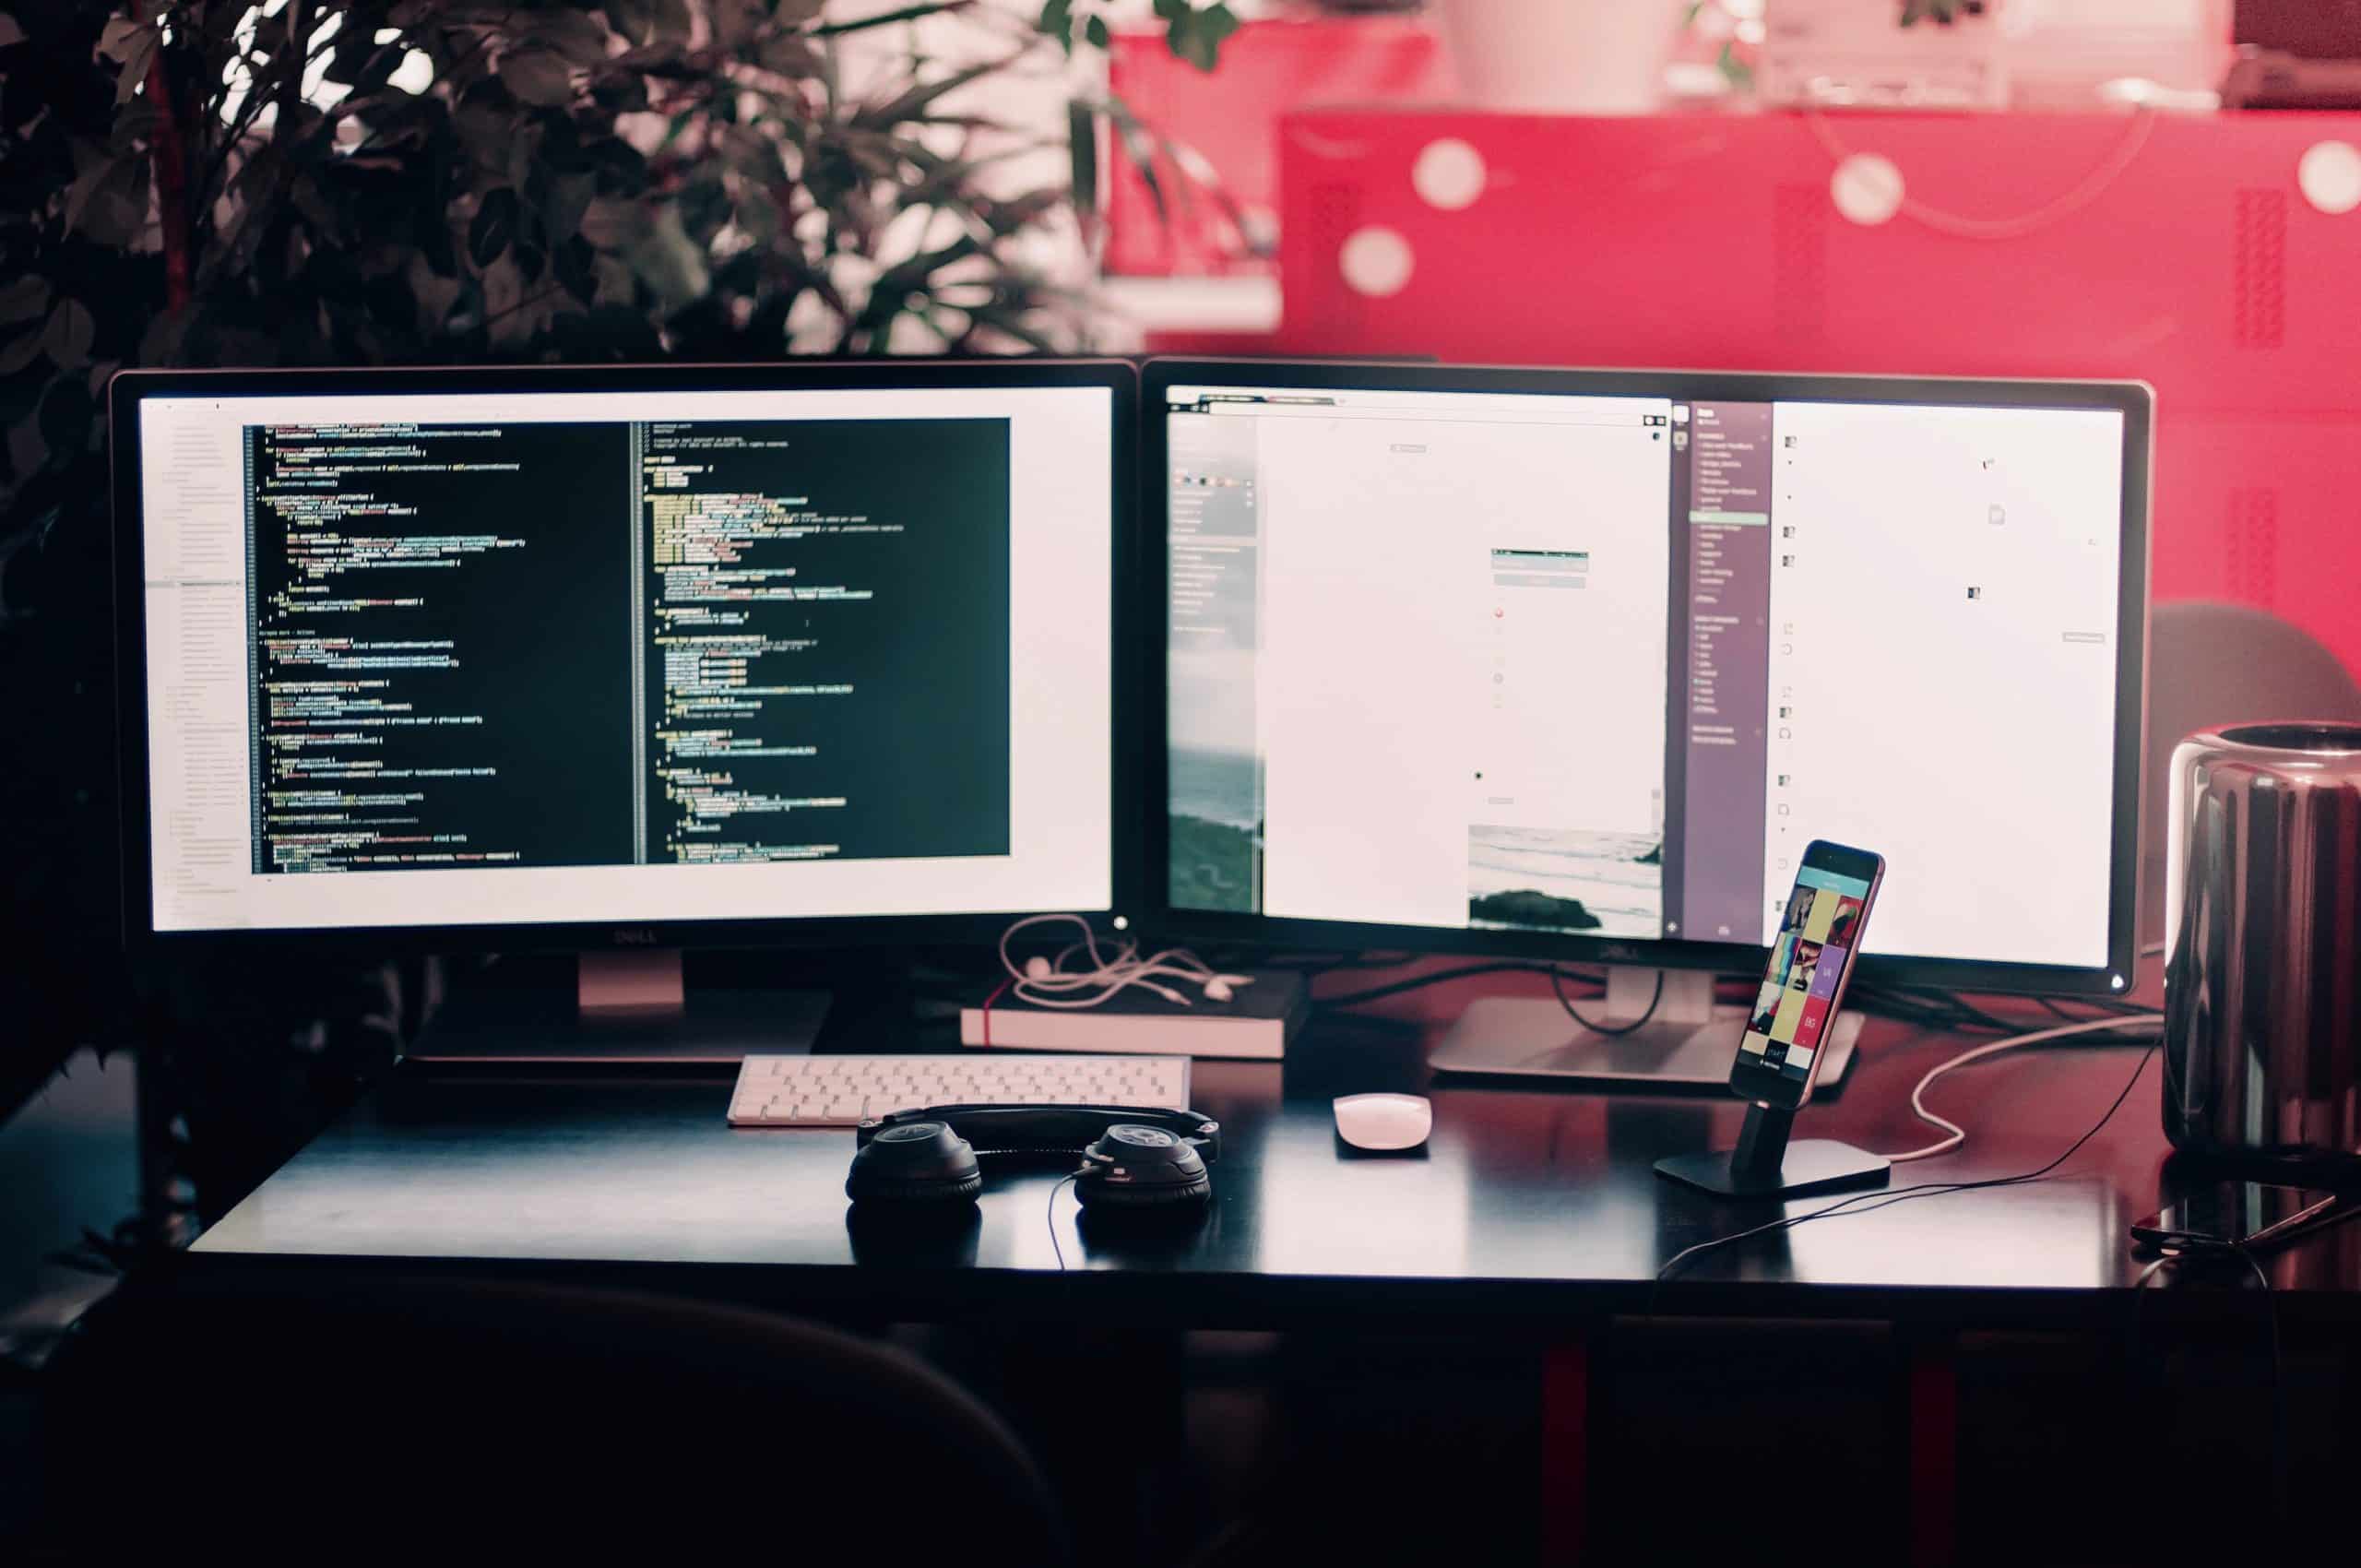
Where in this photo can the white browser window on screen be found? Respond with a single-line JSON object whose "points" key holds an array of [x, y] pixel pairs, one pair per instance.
{"points": [[1601, 665]]}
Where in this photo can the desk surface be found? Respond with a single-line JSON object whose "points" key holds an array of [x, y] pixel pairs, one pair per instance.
{"points": [[1525, 1204]]}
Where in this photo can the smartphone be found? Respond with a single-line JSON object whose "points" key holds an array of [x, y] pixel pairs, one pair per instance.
{"points": [[1812, 960], [2233, 1214]]}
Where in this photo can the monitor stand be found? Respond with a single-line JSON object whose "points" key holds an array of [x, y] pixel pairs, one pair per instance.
{"points": [[624, 1008], [1688, 1044]]}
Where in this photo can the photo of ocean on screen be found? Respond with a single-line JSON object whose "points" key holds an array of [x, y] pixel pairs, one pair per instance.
{"points": [[1565, 879]]}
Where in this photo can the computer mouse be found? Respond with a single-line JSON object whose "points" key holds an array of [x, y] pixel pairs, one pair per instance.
{"points": [[1385, 1122]]}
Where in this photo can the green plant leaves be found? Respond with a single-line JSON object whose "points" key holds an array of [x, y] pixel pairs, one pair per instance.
{"points": [[671, 21], [23, 298], [19, 351], [123, 39], [577, 36], [789, 54], [667, 261], [1194, 33], [131, 45], [470, 217], [378, 69], [66, 411], [109, 200], [568, 200], [27, 449], [619, 167], [66, 338], [634, 20], [1082, 136], [493, 229], [887, 19], [539, 77], [913, 102], [1139, 146], [576, 263], [1057, 22]]}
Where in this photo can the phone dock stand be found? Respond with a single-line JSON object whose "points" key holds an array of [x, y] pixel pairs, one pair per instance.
{"points": [[1765, 1164]]}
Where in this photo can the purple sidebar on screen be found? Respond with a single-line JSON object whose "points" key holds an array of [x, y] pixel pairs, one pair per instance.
{"points": [[1730, 613]]}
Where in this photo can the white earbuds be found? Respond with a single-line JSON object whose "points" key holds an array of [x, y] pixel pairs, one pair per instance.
{"points": [[1047, 983]]}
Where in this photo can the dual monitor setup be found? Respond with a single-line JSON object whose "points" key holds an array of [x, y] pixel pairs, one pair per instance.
{"points": [[1547, 664]]}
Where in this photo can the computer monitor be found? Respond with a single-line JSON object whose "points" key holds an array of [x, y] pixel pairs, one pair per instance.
{"points": [[1571, 664], [620, 658]]}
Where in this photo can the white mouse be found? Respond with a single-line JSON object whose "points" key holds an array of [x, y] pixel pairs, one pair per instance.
{"points": [[1385, 1122]]}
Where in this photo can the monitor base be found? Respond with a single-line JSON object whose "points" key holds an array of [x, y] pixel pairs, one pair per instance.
{"points": [[626, 1009], [1523, 1037]]}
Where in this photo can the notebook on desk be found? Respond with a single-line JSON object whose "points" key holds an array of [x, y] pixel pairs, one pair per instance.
{"points": [[1255, 1024]]}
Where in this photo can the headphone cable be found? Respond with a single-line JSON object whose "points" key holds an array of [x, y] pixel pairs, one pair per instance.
{"points": [[1055, 1189]]}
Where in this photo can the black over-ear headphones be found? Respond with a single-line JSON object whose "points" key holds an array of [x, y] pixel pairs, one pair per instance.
{"points": [[1131, 1159]]}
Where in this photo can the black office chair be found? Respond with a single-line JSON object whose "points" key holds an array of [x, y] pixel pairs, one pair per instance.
{"points": [[434, 1420], [2211, 664]]}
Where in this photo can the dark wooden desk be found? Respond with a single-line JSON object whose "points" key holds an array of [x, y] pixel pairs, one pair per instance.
{"points": [[1533, 1216], [1525, 1202]]}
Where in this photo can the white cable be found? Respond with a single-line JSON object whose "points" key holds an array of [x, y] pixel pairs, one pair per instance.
{"points": [[1047, 983], [2088, 190], [1957, 1134]]}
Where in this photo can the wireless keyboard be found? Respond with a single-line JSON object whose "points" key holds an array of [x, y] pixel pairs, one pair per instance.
{"points": [[839, 1091]]}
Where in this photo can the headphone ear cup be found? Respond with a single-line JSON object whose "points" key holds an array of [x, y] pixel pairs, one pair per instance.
{"points": [[917, 1162], [1134, 1167]]}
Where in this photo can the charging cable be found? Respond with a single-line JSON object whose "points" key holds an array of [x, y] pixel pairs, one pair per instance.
{"points": [[1107, 973], [1869, 1203], [1953, 1134]]}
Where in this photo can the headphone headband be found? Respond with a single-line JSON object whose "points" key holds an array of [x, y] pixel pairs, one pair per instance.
{"points": [[1049, 1128]]}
